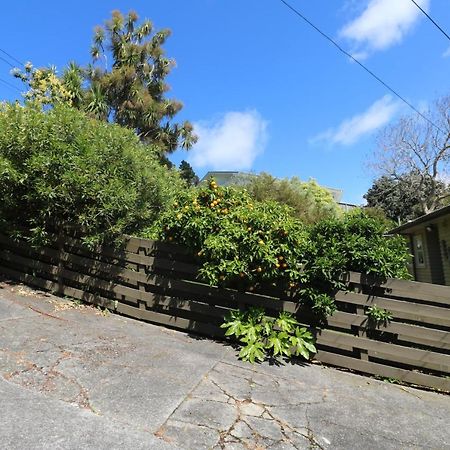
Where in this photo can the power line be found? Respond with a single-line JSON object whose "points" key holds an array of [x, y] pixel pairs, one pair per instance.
{"points": [[6, 61], [299, 14], [11, 56], [431, 19], [7, 83]]}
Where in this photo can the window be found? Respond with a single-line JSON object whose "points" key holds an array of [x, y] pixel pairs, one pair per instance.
{"points": [[419, 253]]}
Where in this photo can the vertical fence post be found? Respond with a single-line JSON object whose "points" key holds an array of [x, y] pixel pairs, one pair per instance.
{"points": [[60, 278]]}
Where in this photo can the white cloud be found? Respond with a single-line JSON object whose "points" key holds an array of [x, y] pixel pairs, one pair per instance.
{"points": [[232, 142], [446, 54], [353, 129], [382, 24]]}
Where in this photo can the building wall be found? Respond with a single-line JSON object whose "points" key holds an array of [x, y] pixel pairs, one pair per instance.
{"points": [[423, 273], [444, 237], [435, 257]]}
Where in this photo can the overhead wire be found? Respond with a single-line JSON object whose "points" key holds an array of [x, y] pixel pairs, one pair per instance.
{"points": [[7, 62], [7, 83], [370, 72], [432, 20], [11, 57]]}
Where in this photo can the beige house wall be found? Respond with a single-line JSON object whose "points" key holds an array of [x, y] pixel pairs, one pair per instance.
{"points": [[444, 235], [423, 273], [437, 258]]}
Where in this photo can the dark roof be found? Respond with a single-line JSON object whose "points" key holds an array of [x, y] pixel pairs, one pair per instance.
{"points": [[422, 219]]}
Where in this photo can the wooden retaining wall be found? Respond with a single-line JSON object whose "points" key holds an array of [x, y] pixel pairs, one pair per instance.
{"points": [[156, 282]]}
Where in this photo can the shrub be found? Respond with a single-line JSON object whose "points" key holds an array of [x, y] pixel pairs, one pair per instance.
{"points": [[246, 245], [59, 167], [309, 202], [357, 243], [240, 242]]}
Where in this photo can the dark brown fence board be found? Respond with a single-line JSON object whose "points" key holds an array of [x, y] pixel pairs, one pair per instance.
{"points": [[28, 279], [413, 290], [392, 352], [185, 287], [172, 321], [406, 332], [133, 245], [401, 309], [403, 375], [33, 264], [149, 261]]}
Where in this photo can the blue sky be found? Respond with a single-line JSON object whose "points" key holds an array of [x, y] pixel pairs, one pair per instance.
{"points": [[265, 91]]}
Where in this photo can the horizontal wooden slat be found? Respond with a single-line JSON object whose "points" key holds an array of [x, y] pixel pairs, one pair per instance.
{"points": [[392, 352], [134, 244], [214, 294], [8, 256], [28, 279], [26, 248], [52, 286], [406, 332], [403, 375], [400, 309], [172, 321], [404, 288], [157, 262]]}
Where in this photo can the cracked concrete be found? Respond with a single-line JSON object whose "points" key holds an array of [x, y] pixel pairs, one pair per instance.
{"points": [[73, 377]]}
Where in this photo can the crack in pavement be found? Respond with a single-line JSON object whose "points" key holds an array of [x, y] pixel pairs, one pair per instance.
{"points": [[254, 426], [50, 376]]}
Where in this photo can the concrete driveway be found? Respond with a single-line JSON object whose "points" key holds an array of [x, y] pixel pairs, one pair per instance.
{"points": [[73, 377]]}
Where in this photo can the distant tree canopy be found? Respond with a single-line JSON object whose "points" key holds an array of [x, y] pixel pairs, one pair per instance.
{"points": [[414, 154], [125, 83], [309, 201], [402, 198], [187, 174]]}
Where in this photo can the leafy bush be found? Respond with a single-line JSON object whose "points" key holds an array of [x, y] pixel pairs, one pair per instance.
{"points": [[247, 245], [357, 243], [59, 167], [264, 336], [240, 242], [309, 201]]}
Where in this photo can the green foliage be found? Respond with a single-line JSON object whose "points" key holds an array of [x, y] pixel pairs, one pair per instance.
{"points": [[379, 215], [309, 201], [261, 336], [401, 198], [251, 245], [60, 167], [44, 86], [125, 83], [187, 174], [356, 243], [378, 316], [241, 243]]}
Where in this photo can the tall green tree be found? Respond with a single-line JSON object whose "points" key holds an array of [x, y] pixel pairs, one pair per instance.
{"points": [[187, 174], [403, 198], [125, 83]]}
